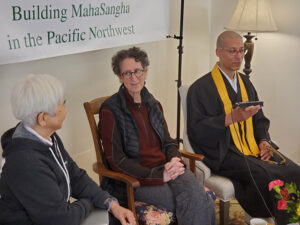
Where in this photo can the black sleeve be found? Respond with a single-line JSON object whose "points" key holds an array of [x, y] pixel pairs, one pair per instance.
{"points": [[82, 185], [170, 144], [205, 115], [35, 185], [260, 122]]}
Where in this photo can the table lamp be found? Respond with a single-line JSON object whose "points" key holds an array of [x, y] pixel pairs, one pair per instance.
{"points": [[251, 16]]}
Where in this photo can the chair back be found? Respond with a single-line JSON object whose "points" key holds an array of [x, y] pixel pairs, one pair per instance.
{"points": [[221, 186], [92, 110], [203, 171], [183, 90]]}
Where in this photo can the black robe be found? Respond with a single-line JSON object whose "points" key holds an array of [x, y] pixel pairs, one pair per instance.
{"points": [[209, 136]]}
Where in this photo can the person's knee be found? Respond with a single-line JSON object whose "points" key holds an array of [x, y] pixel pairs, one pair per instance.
{"points": [[191, 188]]}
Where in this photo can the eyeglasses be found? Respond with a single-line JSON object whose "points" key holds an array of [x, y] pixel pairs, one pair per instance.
{"points": [[128, 74], [233, 51]]}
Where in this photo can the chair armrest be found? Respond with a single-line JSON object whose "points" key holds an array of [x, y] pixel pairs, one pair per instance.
{"points": [[100, 169], [192, 157], [131, 183], [205, 170]]}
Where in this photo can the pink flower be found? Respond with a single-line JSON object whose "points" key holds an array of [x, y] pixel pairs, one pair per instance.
{"points": [[275, 183], [206, 188], [282, 204], [153, 217]]}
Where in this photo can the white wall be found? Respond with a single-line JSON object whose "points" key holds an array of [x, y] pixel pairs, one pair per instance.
{"points": [[275, 69], [88, 75]]}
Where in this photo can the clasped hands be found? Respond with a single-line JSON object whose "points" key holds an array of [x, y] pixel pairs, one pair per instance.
{"points": [[173, 169]]}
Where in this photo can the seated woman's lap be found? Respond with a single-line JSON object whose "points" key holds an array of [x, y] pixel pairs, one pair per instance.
{"points": [[184, 186], [159, 195]]}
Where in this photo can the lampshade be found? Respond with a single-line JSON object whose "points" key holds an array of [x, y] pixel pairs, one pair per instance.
{"points": [[252, 15]]}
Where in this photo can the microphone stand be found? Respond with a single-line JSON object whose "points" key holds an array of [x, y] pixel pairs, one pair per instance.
{"points": [[180, 52]]}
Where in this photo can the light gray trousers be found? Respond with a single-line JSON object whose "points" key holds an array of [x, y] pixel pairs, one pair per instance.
{"points": [[185, 196]]}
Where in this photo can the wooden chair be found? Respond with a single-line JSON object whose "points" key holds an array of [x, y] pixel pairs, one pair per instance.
{"points": [[92, 110]]}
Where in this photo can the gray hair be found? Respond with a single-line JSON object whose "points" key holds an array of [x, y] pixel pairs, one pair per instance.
{"points": [[224, 35], [135, 53], [35, 94]]}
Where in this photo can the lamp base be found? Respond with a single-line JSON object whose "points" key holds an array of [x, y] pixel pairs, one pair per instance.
{"points": [[249, 45]]}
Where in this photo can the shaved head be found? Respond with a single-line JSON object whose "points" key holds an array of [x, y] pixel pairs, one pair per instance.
{"points": [[224, 36], [230, 50]]}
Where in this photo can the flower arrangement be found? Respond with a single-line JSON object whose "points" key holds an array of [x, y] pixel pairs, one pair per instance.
{"points": [[289, 198]]}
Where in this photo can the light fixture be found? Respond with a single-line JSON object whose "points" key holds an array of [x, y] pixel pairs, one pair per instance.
{"points": [[251, 16]]}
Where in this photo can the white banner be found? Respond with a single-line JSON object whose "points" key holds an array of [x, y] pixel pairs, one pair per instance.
{"points": [[32, 29]]}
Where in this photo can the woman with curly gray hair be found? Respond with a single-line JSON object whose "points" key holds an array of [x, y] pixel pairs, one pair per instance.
{"points": [[137, 142]]}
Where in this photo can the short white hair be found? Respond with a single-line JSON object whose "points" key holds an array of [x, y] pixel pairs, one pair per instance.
{"points": [[36, 94]]}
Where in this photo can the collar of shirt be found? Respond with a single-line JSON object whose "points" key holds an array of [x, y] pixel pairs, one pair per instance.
{"points": [[233, 82], [129, 100], [44, 140]]}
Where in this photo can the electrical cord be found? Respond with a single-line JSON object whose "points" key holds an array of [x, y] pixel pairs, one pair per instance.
{"points": [[250, 172]]}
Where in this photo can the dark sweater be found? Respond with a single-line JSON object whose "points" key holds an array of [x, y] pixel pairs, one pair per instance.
{"points": [[33, 187], [136, 139], [124, 129], [151, 154]]}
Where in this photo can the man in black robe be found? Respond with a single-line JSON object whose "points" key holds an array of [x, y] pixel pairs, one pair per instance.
{"points": [[223, 133]]}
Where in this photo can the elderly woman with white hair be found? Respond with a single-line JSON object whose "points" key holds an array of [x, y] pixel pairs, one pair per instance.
{"points": [[38, 175]]}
